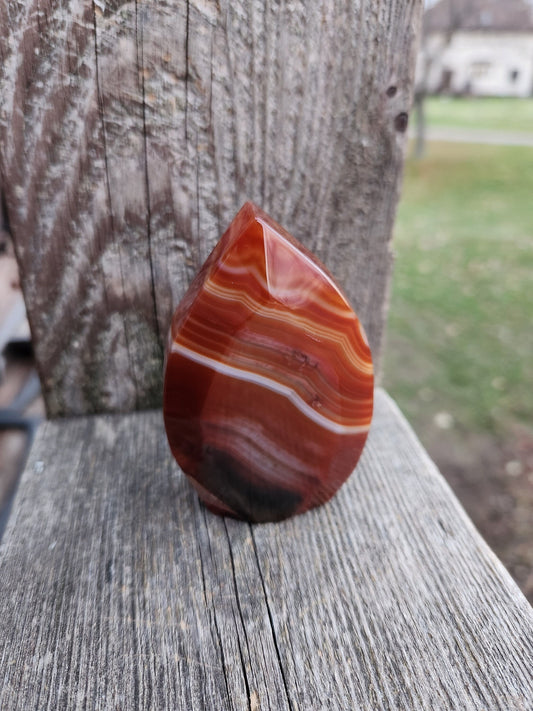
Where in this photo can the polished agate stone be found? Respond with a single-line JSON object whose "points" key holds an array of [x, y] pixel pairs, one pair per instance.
{"points": [[268, 379]]}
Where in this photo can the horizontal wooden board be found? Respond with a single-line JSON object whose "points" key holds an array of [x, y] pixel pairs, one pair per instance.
{"points": [[118, 590]]}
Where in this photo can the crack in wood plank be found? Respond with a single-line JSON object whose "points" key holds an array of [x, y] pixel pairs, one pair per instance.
{"points": [[139, 31], [271, 622]]}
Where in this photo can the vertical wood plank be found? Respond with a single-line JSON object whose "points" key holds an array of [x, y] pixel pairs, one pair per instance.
{"points": [[132, 132]]}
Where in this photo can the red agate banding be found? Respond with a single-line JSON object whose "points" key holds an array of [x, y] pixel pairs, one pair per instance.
{"points": [[268, 380]]}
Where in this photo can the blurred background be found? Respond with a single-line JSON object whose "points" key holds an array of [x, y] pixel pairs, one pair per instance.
{"points": [[459, 351]]}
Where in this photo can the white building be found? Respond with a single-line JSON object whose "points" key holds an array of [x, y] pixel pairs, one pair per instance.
{"points": [[479, 47]]}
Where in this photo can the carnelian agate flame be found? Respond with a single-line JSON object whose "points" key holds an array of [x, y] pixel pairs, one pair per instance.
{"points": [[268, 381]]}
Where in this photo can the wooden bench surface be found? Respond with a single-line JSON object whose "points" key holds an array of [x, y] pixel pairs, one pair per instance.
{"points": [[118, 590]]}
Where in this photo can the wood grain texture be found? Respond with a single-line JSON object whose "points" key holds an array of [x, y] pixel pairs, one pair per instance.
{"points": [[131, 133], [118, 590]]}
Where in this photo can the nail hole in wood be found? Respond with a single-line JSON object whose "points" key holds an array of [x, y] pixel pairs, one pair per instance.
{"points": [[401, 121]]}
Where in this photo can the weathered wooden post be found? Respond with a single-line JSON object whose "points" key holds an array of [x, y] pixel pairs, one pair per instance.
{"points": [[131, 133]]}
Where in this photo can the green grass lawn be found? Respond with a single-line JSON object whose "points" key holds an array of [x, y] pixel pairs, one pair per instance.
{"points": [[460, 336], [498, 114]]}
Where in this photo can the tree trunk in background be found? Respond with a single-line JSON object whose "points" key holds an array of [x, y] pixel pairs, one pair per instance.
{"points": [[131, 133]]}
